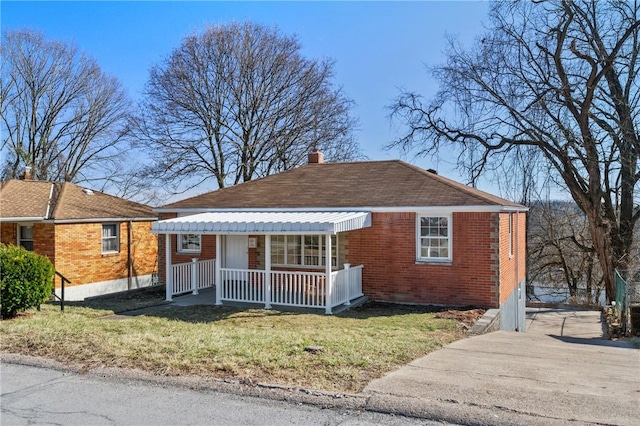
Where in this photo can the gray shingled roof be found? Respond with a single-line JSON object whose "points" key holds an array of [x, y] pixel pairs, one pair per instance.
{"points": [[391, 183], [67, 201]]}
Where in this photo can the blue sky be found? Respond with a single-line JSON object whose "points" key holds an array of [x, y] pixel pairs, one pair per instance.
{"points": [[379, 47]]}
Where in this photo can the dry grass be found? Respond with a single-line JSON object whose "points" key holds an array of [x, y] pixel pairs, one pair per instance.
{"points": [[262, 345]]}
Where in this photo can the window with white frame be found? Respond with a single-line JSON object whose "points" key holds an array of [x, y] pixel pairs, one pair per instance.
{"points": [[25, 236], [110, 238], [434, 238], [189, 243], [302, 250]]}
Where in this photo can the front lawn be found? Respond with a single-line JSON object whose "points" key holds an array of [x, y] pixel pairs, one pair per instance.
{"points": [[220, 341]]}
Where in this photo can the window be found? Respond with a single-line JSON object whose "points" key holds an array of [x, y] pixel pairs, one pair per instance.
{"points": [[312, 250], [302, 250], [189, 243], [434, 238], [110, 241], [25, 236]]}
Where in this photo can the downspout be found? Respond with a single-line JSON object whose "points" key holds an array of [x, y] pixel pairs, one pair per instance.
{"points": [[517, 254], [129, 257]]}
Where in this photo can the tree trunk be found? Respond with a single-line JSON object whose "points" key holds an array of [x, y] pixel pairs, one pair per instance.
{"points": [[602, 245]]}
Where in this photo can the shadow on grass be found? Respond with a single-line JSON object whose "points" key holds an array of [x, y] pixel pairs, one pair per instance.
{"points": [[150, 301], [205, 314], [122, 301]]}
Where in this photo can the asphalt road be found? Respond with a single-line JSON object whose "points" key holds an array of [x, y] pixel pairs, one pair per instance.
{"points": [[44, 396]]}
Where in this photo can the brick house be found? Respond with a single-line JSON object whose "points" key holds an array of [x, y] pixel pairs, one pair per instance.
{"points": [[99, 242], [384, 229]]}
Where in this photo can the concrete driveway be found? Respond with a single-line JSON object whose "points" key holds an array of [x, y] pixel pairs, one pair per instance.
{"points": [[561, 371]]}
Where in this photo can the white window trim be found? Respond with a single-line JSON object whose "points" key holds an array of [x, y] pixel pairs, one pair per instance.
{"points": [[321, 242], [440, 260], [117, 237], [20, 240], [183, 250]]}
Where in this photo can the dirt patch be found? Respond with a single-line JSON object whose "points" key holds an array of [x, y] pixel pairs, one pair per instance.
{"points": [[126, 300], [466, 317]]}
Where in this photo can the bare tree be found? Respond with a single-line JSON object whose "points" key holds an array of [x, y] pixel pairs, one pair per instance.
{"points": [[237, 102], [61, 115], [560, 252], [558, 76]]}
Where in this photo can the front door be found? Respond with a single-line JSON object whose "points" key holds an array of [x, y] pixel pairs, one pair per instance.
{"points": [[236, 252]]}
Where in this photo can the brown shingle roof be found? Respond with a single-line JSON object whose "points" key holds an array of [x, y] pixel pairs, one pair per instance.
{"points": [[391, 183], [32, 199], [24, 198]]}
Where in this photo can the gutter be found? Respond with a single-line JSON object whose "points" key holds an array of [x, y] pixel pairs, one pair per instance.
{"points": [[399, 209], [22, 219], [106, 219]]}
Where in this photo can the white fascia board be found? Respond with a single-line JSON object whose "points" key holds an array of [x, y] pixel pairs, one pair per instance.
{"points": [[107, 219], [184, 210], [399, 209], [21, 219], [514, 209]]}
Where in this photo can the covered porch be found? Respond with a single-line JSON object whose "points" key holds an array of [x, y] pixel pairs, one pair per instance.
{"points": [[325, 286]]}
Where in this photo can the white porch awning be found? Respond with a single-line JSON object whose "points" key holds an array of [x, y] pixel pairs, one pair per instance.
{"points": [[271, 222]]}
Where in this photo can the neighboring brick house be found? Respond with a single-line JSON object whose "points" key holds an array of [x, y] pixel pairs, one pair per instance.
{"points": [[420, 238], [99, 242]]}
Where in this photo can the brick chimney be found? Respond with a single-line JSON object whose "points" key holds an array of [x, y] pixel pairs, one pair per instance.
{"points": [[316, 157], [26, 175]]}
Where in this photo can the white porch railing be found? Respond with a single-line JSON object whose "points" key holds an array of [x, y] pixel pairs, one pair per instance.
{"points": [[347, 285], [305, 289], [242, 285], [184, 275], [298, 289]]}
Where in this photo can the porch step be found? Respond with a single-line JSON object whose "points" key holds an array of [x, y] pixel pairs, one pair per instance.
{"points": [[354, 303]]}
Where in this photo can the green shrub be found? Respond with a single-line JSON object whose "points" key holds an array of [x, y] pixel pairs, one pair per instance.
{"points": [[26, 279]]}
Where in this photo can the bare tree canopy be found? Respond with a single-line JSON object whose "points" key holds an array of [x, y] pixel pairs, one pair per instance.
{"points": [[560, 251], [61, 115], [558, 76], [239, 101]]}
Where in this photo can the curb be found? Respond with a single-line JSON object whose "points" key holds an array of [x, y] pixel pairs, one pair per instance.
{"points": [[489, 322], [244, 387], [447, 411]]}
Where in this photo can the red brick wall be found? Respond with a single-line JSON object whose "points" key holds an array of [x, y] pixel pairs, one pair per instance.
{"points": [[207, 250], [8, 233], [43, 237], [144, 249], [509, 276], [391, 273], [79, 252], [76, 250]]}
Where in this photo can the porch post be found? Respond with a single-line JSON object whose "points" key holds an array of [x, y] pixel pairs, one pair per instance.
{"points": [[168, 278], [328, 281], [218, 279], [267, 274], [347, 266], [194, 275]]}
